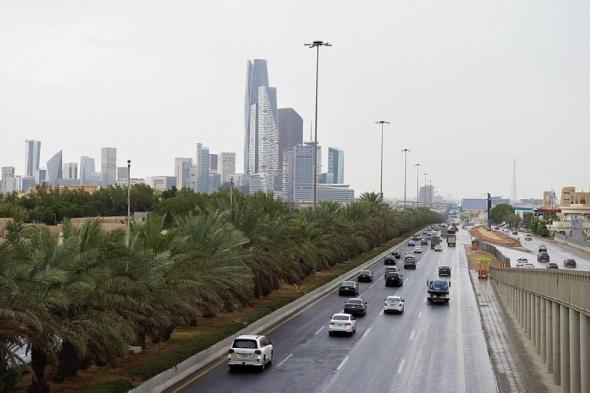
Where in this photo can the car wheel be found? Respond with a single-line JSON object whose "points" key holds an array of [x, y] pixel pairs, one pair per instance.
{"points": [[232, 368], [330, 334], [263, 365]]}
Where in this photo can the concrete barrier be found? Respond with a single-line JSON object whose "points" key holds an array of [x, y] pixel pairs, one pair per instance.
{"points": [[172, 376]]}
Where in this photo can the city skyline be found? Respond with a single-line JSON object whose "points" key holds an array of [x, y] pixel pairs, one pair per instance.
{"points": [[444, 89]]}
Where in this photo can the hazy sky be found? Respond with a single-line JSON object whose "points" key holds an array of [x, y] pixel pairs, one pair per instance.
{"points": [[467, 85]]}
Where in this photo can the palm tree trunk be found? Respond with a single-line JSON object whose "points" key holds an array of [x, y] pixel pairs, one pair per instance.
{"points": [[38, 365], [69, 362]]}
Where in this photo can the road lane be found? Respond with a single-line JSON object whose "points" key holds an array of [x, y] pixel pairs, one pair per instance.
{"points": [[423, 344]]}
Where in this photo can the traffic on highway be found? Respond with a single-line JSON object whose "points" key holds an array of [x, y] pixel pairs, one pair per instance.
{"points": [[376, 333]]}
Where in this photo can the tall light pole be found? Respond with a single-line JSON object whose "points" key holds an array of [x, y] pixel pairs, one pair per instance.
{"points": [[382, 122], [405, 151], [425, 174], [417, 187], [128, 201], [317, 45]]}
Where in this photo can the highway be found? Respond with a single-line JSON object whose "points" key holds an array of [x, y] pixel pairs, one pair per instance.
{"points": [[428, 348], [556, 253]]}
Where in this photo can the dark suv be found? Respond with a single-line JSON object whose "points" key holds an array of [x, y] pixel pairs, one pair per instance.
{"points": [[365, 275], [571, 263], [444, 271], [409, 262], [396, 254], [348, 288], [543, 257], [389, 260], [355, 306]]}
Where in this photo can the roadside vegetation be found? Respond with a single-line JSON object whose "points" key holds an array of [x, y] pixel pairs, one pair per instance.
{"points": [[82, 298]]}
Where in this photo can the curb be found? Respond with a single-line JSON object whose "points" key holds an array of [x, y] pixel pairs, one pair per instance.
{"points": [[181, 371]]}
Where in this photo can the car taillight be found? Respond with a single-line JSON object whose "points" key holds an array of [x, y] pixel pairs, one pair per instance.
{"points": [[258, 352], [231, 350], [385, 304], [332, 323], [348, 324]]}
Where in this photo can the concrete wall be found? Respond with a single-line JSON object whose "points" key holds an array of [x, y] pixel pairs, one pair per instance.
{"points": [[553, 309]]}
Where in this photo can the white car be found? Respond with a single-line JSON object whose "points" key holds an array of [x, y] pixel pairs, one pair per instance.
{"points": [[249, 350], [393, 304], [417, 250], [342, 323], [438, 248]]}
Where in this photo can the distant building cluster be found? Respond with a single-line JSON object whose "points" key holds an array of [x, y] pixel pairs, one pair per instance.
{"points": [[276, 159]]}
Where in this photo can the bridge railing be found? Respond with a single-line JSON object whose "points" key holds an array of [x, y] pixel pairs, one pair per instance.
{"points": [[553, 309]]}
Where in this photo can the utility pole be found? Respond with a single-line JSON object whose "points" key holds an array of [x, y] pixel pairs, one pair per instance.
{"points": [[382, 122], [317, 45], [417, 182], [231, 194], [405, 151]]}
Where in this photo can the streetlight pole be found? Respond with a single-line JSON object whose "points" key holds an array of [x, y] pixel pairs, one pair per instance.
{"points": [[382, 122], [317, 45], [128, 200], [405, 151], [425, 198], [417, 187], [231, 193]]}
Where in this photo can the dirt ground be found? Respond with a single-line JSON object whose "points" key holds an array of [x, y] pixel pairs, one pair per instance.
{"points": [[494, 237]]}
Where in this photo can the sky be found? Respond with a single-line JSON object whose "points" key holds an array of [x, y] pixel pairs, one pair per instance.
{"points": [[468, 86]]}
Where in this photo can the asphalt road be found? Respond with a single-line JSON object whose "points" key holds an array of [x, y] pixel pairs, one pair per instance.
{"points": [[555, 251], [428, 348]]}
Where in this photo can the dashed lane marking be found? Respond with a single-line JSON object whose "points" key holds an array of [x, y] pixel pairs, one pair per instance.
{"points": [[413, 334], [365, 333], [419, 314], [401, 366], [342, 364], [284, 360], [319, 330]]}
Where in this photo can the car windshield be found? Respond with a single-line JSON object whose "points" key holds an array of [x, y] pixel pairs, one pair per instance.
{"points": [[439, 284], [340, 317], [365, 272], [347, 284], [245, 344], [392, 300], [354, 301]]}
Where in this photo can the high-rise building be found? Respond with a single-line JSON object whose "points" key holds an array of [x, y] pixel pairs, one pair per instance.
{"points": [[214, 182], [122, 175], [70, 170], [336, 165], [227, 166], [202, 169], [290, 132], [261, 149], [32, 158], [7, 182], [298, 172], [86, 169], [108, 165], [7, 171], [182, 172], [41, 176], [549, 200], [54, 168], [27, 183], [213, 162]]}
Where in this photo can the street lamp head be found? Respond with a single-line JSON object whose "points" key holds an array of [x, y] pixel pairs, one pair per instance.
{"points": [[317, 43], [128, 162], [405, 150], [382, 122], [418, 164]]}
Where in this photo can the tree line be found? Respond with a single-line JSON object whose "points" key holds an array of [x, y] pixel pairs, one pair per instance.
{"points": [[82, 297]]}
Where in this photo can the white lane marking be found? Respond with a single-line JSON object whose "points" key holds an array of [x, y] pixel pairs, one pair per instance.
{"points": [[319, 330], [413, 334], [365, 333], [371, 286], [342, 364], [405, 279], [419, 314], [401, 366], [381, 312], [284, 360]]}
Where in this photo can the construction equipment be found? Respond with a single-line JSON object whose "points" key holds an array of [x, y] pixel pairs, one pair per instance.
{"points": [[483, 269]]}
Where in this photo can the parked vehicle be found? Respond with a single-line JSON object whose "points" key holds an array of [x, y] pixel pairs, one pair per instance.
{"points": [[250, 350]]}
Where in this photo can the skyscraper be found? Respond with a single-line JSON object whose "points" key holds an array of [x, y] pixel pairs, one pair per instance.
{"points": [[298, 172], [227, 166], [336, 165], [213, 162], [202, 167], [290, 132], [261, 149], [108, 165], [122, 175], [86, 169], [70, 170], [32, 158], [54, 168], [182, 172]]}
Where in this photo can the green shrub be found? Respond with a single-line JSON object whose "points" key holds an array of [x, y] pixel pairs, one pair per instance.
{"points": [[115, 386]]}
